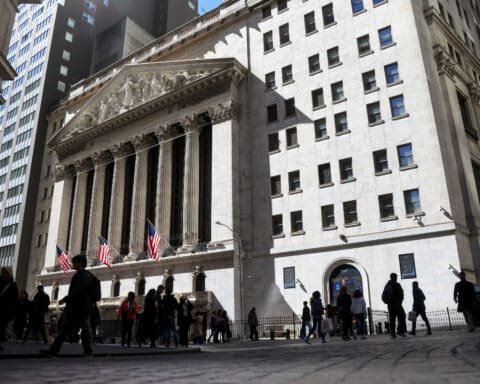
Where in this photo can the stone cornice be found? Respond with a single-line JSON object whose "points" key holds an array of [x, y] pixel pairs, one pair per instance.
{"points": [[62, 171], [224, 111]]}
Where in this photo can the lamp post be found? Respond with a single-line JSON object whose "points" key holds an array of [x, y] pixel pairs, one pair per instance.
{"points": [[239, 254]]}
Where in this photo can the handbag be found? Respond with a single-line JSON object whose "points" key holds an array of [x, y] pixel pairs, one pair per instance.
{"points": [[412, 316]]}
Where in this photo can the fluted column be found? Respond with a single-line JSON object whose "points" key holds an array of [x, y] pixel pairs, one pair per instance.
{"points": [[79, 204], [119, 153], [164, 184], [191, 188], [96, 205], [139, 198]]}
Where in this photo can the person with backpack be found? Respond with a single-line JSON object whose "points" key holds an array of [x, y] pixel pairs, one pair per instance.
{"points": [[393, 296], [317, 316], [128, 313], [83, 291]]}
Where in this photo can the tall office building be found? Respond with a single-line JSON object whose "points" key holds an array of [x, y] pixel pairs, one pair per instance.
{"points": [[51, 48]]}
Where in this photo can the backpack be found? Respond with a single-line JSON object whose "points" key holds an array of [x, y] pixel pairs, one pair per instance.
{"points": [[387, 294], [95, 291]]}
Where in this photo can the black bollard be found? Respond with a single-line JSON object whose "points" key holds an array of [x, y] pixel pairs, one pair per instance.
{"points": [[272, 335]]}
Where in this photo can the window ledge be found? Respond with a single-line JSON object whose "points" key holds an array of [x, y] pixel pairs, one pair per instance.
{"points": [[285, 44], [319, 107], [346, 132], [367, 53], [391, 218], [288, 82], [276, 196], [393, 43], [339, 101], [348, 180], [407, 167], [273, 152], [322, 138], [279, 236], [355, 224], [270, 89], [268, 51], [282, 11], [272, 121], [267, 18], [399, 117], [330, 25], [335, 65], [326, 185], [360, 12], [366, 92], [386, 172], [297, 233], [311, 33], [379, 4], [315, 72], [295, 192], [395, 83], [331, 228], [416, 214], [379, 122], [293, 146]]}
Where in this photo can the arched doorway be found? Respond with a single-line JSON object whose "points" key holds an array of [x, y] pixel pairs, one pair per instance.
{"points": [[344, 275]]}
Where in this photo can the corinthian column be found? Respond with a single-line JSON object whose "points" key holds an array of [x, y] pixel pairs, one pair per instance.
{"points": [[139, 198], [79, 205], [119, 153], [164, 184], [191, 184], [96, 205]]}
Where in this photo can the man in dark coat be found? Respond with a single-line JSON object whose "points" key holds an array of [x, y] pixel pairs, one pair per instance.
{"points": [[184, 320], [253, 324], [464, 295], [419, 308], [170, 306], [393, 297], [8, 300], [41, 301], [78, 308]]}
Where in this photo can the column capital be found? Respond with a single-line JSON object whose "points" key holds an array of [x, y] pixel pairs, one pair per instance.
{"points": [[61, 171], [82, 165], [227, 110], [100, 158], [162, 133], [190, 123], [445, 64], [120, 150], [141, 142], [474, 91]]}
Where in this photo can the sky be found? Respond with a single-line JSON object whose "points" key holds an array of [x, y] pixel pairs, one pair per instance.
{"points": [[207, 5]]}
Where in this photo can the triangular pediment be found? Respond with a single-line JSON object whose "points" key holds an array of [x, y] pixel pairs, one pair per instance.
{"points": [[136, 85]]}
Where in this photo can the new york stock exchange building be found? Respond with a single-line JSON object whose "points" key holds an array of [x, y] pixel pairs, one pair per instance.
{"points": [[249, 140]]}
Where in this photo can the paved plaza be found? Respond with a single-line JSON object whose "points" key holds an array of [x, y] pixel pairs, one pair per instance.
{"points": [[447, 357]]}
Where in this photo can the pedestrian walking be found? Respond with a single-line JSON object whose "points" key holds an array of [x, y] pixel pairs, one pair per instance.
{"points": [[317, 309], [306, 320], [170, 308], [464, 295], [220, 324], [344, 305], [327, 323], [8, 300], [393, 296], [150, 318], [83, 291], [359, 310], [128, 313], [419, 308], [184, 320], [213, 327], [253, 324], [22, 311], [39, 309]]}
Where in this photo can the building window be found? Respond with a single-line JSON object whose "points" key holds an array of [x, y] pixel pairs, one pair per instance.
{"points": [[363, 45], [369, 81], [328, 16], [310, 26], [270, 80], [341, 124], [275, 186], [385, 203], [385, 36], [294, 181], [397, 106], [324, 174], [88, 18], [391, 73], [61, 86], [357, 6], [466, 119], [272, 114], [277, 225], [66, 55], [412, 201], [373, 112], [287, 74], [333, 57], [346, 170], [405, 155], [296, 222], [317, 98], [290, 107], [337, 91], [281, 5], [71, 22], [407, 266], [292, 140], [289, 277], [266, 12], [314, 63], [273, 142], [328, 216], [63, 70], [320, 126], [267, 41], [39, 240], [116, 289], [69, 36], [90, 5], [284, 34], [380, 161], [350, 212]]}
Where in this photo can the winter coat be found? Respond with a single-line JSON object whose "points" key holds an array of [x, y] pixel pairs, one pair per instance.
{"points": [[306, 314], [358, 305], [8, 300], [79, 299], [128, 310], [317, 309], [252, 319], [418, 300], [344, 303], [464, 294]]}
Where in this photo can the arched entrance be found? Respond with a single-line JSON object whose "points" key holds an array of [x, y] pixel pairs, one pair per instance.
{"points": [[344, 275]]}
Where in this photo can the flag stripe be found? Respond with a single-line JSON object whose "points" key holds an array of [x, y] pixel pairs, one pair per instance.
{"points": [[104, 252], [63, 260], [153, 242]]}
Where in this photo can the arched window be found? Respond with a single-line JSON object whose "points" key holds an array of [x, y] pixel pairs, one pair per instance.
{"points": [[141, 287], [200, 282], [116, 289], [55, 293], [169, 283]]}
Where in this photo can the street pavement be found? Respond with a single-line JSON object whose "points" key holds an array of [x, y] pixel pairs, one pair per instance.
{"points": [[447, 357]]}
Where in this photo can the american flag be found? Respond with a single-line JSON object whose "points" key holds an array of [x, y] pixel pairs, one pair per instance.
{"points": [[63, 260], [104, 252], [153, 241]]}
